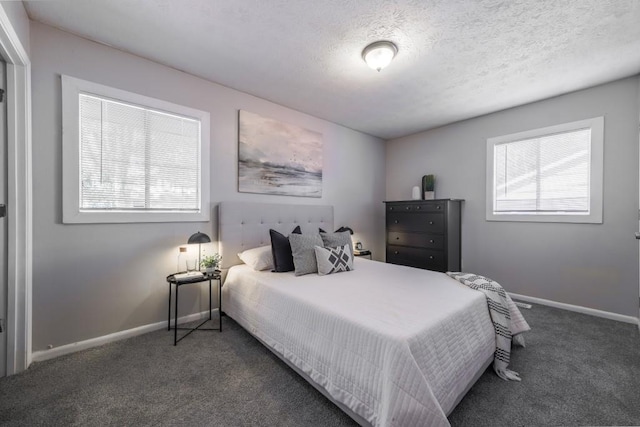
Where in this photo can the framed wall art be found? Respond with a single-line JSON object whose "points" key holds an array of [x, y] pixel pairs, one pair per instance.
{"points": [[278, 158]]}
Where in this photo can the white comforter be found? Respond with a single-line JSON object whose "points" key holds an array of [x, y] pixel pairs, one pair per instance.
{"points": [[396, 345]]}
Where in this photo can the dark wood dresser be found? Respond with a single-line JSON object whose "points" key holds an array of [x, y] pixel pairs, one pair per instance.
{"points": [[424, 233]]}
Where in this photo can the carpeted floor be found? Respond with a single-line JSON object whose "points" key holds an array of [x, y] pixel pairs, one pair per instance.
{"points": [[576, 370]]}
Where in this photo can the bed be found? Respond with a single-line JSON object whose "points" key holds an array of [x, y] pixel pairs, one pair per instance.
{"points": [[390, 345]]}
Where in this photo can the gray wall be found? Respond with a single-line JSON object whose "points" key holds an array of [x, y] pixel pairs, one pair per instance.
{"points": [[93, 280], [590, 265]]}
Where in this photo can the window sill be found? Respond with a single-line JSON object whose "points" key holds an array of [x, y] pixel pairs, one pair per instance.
{"points": [[133, 217], [594, 218]]}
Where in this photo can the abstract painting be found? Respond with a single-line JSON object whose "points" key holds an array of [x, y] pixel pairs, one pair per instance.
{"points": [[278, 158]]}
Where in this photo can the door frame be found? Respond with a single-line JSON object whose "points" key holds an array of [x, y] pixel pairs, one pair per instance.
{"points": [[19, 197]]}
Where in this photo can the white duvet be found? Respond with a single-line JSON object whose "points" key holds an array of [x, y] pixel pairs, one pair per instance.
{"points": [[396, 345]]}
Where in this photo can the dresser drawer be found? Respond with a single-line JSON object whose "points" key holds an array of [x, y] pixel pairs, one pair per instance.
{"points": [[417, 257], [427, 222], [417, 207], [429, 241]]}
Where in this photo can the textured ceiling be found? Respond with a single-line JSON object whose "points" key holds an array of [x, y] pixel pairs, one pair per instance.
{"points": [[457, 58]]}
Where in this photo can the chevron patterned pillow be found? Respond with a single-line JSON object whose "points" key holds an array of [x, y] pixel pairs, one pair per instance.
{"points": [[333, 260]]}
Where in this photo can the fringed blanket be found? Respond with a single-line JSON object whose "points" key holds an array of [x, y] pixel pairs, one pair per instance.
{"points": [[500, 309]]}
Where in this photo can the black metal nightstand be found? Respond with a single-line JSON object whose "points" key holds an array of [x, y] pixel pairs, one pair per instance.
{"points": [[364, 253], [178, 282]]}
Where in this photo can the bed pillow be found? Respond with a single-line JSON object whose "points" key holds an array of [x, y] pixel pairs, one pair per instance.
{"points": [[281, 251], [258, 258], [333, 240], [304, 257], [333, 260], [339, 230]]}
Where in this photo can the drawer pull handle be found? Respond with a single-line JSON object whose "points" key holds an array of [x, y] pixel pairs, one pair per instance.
{"points": [[391, 208], [430, 256], [430, 240], [430, 222], [418, 207], [395, 221], [408, 207], [395, 252], [438, 207], [397, 238]]}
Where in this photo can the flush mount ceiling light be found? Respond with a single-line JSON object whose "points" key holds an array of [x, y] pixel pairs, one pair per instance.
{"points": [[379, 54]]}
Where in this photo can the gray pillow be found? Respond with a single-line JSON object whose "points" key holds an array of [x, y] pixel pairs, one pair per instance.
{"points": [[304, 257], [333, 260], [333, 240]]}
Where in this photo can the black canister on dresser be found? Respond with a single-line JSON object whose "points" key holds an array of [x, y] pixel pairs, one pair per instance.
{"points": [[424, 233]]}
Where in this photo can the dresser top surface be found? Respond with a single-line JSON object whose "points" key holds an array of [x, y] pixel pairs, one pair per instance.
{"points": [[423, 201]]}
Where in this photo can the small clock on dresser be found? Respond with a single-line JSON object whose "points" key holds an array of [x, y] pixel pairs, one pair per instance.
{"points": [[424, 233]]}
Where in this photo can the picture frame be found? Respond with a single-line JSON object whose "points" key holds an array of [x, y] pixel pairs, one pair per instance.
{"points": [[278, 158]]}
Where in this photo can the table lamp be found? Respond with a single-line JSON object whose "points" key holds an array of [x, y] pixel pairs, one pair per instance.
{"points": [[199, 238]]}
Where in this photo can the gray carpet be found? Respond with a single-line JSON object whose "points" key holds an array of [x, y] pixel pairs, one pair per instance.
{"points": [[576, 370]]}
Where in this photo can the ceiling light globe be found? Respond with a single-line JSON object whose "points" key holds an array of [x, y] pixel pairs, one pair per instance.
{"points": [[379, 54]]}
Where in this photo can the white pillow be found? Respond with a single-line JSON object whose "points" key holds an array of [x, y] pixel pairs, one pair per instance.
{"points": [[258, 258]]}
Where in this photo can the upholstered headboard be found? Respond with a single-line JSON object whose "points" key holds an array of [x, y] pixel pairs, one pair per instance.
{"points": [[245, 225]]}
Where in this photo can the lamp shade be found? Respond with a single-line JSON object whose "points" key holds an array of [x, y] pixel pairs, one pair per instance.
{"points": [[198, 238]]}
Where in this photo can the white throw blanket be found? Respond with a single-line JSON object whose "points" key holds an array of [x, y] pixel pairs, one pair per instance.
{"points": [[500, 309]]}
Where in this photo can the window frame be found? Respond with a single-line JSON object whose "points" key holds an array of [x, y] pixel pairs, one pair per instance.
{"points": [[596, 168], [71, 212]]}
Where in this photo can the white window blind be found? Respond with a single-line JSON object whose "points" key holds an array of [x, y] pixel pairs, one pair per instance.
{"points": [[552, 174], [130, 158], [137, 159], [548, 174]]}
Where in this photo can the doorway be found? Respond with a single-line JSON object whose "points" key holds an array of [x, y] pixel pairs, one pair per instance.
{"points": [[16, 182], [3, 222]]}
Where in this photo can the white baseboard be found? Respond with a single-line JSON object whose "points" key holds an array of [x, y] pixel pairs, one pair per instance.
{"points": [[577, 308], [39, 356]]}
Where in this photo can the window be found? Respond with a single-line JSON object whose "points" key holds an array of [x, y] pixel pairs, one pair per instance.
{"points": [[130, 158], [552, 174]]}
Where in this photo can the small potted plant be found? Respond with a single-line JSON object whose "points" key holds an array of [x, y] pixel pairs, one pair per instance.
{"points": [[211, 262], [428, 187]]}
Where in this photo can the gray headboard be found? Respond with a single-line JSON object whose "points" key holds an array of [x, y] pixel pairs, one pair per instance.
{"points": [[245, 225]]}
